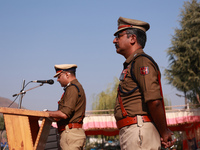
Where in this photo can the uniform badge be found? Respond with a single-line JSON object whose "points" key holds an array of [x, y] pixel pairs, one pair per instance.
{"points": [[123, 74], [144, 70]]}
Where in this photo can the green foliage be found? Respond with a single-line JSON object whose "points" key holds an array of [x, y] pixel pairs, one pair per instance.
{"points": [[106, 99], [193, 99], [184, 55]]}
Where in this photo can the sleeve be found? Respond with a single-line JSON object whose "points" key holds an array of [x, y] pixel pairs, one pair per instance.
{"points": [[70, 100], [147, 76]]}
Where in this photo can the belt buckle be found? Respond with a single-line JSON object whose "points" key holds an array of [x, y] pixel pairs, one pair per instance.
{"points": [[139, 120]]}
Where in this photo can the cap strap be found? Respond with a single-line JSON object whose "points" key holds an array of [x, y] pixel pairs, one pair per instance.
{"points": [[123, 26], [57, 71]]}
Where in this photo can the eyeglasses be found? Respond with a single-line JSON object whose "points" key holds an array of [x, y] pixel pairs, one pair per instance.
{"points": [[63, 72], [117, 36]]}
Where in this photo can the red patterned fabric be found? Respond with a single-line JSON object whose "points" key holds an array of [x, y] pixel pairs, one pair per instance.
{"points": [[177, 120]]}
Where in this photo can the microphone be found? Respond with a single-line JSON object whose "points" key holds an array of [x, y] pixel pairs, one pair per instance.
{"points": [[44, 81]]}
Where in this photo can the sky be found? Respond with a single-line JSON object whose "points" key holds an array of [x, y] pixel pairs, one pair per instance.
{"points": [[37, 34]]}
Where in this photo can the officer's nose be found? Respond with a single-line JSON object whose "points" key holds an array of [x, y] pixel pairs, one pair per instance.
{"points": [[115, 40]]}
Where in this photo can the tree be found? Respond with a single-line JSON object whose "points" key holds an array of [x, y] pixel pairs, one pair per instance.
{"points": [[184, 55], [106, 99]]}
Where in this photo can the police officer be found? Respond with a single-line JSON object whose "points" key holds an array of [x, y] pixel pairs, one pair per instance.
{"points": [[139, 108], [71, 108]]}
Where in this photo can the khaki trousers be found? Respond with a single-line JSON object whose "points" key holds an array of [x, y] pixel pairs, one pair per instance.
{"points": [[140, 136], [72, 139]]}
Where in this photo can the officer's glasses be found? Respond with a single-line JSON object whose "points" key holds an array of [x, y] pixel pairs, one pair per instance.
{"points": [[117, 36]]}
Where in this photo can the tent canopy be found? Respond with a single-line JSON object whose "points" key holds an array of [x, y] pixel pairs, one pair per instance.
{"points": [[105, 124]]}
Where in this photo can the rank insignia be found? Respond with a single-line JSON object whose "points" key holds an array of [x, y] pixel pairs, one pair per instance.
{"points": [[144, 70]]}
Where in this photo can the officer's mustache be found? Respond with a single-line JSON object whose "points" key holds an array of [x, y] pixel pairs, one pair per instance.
{"points": [[116, 45]]}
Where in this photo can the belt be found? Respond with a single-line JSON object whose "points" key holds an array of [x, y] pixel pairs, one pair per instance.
{"points": [[70, 125], [131, 120]]}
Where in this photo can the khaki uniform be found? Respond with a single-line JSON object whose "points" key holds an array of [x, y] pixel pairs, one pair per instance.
{"points": [[72, 103], [135, 103]]}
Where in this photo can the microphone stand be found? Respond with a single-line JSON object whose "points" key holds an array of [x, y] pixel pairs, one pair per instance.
{"points": [[22, 92]]}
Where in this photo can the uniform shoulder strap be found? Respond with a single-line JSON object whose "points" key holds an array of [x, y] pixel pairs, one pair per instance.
{"points": [[147, 56]]}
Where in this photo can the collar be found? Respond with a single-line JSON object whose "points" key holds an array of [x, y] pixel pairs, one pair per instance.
{"points": [[132, 56], [66, 86]]}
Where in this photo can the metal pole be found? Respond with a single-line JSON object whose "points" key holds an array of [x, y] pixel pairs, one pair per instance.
{"points": [[21, 95]]}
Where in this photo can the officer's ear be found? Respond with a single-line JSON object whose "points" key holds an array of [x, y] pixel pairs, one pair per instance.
{"points": [[68, 74], [133, 38]]}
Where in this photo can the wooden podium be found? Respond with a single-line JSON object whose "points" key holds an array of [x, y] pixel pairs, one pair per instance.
{"points": [[22, 128]]}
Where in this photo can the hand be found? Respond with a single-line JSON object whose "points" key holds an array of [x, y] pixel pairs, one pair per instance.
{"points": [[166, 140]]}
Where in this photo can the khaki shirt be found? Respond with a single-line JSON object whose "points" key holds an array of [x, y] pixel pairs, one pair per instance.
{"points": [[73, 103], [146, 75]]}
